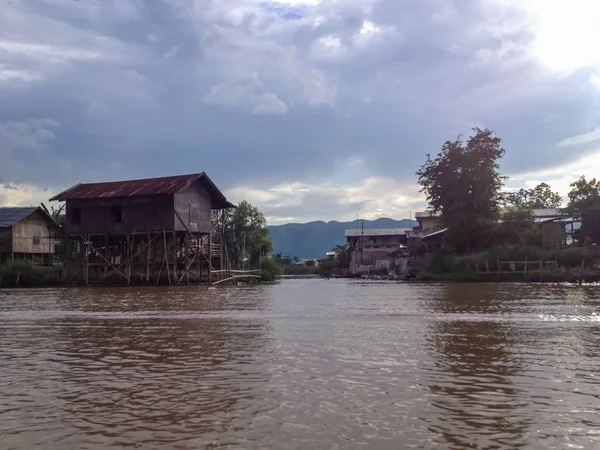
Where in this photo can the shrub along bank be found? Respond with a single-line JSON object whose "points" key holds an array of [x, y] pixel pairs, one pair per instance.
{"points": [[271, 268], [571, 264], [22, 274]]}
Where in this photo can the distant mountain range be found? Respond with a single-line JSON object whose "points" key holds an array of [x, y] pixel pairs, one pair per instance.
{"points": [[312, 240]]}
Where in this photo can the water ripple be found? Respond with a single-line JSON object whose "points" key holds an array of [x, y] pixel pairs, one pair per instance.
{"points": [[303, 364]]}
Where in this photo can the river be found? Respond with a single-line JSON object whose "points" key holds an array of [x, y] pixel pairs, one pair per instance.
{"points": [[303, 364]]}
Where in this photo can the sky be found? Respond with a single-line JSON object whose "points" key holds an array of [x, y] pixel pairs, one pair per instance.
{"points": [[309, 109]]}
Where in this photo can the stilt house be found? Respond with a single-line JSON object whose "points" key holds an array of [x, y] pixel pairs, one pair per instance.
{"points": [[26, 233], [143, 229]]}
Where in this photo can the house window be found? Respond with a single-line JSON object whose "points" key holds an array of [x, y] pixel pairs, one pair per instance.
{"points": [[36, 240], [117, 213], [76, 216]]}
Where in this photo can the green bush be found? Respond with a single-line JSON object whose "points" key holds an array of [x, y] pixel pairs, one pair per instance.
{"points": [[23, 274], [327, 267], [572, 257], [271, 268], [443, 263]]}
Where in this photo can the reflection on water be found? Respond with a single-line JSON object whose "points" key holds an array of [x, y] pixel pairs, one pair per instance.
{"points": [[302, 364], [474, 368]]}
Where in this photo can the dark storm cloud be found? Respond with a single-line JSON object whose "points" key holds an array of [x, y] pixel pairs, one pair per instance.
{"points": [[260, 93]]}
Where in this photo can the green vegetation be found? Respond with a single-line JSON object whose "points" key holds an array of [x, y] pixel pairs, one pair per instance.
{"points": [[463, 184], [271, 268], [337, 265], [584, 204], [564, 265], [540, 197], [246, 235], [327, 268], [23, 274]]}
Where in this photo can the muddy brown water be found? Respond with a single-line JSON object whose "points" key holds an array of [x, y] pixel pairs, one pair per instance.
{"points": [[302, 364]]}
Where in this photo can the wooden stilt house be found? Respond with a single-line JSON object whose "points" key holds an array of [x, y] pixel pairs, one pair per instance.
{"points": [[26, 233], [151, 230]]}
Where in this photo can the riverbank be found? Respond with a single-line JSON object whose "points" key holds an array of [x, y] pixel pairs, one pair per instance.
{"points": [[513, 264], [21, 274]]}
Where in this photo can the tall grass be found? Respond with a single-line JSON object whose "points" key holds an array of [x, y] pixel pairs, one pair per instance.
{"points": [[23, 274], [441, 263]]}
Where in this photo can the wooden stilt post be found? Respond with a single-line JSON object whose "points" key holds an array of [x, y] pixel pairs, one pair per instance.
{"points": [[186, 250], [166, 252], [128, 267], [148, 252], [222, 249], [175, 256], [106, 255], [209, 258], [87, 258], [198, 265]]}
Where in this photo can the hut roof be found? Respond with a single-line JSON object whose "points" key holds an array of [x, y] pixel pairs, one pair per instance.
{"points": [[10, 215], [147, 186]]}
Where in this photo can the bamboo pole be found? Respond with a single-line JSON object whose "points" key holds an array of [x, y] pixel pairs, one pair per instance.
{"points": [[174, 238], [87, 259], [187, 268], [166, 255], [209, 258], [128, 266], [197, 256], [124, 262], [106, 255]]}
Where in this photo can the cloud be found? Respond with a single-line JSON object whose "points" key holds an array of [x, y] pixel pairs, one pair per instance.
{"points": [[268, 104], [22, 195], [278, 97], [581, 139], [241, 93], [172, 52], [369, 199]]}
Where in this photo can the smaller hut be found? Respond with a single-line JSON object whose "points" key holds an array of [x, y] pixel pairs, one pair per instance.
{"points": [[26, 233]]}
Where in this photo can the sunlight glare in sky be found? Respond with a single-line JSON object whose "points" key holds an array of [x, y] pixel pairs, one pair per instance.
{"points": [[567, 34]]}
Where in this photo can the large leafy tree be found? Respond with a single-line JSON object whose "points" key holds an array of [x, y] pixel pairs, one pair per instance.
{"points": [[245, 231], [540, 197], [584, 205], [518, 227], [463, 184]]}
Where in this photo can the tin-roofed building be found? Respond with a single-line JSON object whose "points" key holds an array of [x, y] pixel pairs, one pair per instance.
{"points": [[372, 245], [134, 228], [26, 233]]}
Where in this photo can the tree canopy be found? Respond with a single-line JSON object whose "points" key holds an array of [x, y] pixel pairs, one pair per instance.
{"points": [[463, 184], [584, 205], [540, 197], [245, 230]]}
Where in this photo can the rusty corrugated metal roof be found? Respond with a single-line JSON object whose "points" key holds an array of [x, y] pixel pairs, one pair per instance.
{"points": [[148, 186]]}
